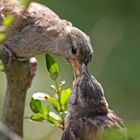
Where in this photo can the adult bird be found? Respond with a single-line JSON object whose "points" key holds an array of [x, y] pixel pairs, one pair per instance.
{"points": [[89, 113]]}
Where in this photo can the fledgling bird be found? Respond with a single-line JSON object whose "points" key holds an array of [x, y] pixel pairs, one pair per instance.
{"points": [[89, 113]]}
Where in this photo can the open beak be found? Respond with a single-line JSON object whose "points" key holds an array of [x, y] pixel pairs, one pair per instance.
{"points": [[76, 67]]}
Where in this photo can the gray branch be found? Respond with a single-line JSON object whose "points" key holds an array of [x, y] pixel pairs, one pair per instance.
{"points": [[37, 30]]}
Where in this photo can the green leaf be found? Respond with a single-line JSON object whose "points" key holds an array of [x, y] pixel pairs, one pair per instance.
{"points": [[37, 117], [46, 110], [36, 106], [65, 95], [2, 37], [54, 101], [25, 3], [52, 121], [52, 67], [55, 116], [8, 20], [63, 114]]}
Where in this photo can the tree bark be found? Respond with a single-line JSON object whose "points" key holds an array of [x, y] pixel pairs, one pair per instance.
{"points": [[19, 77]]}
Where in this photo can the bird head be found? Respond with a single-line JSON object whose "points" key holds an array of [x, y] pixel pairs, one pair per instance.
{"points": [[80, 51]]}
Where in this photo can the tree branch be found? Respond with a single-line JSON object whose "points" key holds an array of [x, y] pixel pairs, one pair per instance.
{"points": [[36, 30], [19, 77]]}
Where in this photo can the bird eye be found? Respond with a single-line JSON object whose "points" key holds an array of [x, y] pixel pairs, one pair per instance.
{"points": [[74, 50]]}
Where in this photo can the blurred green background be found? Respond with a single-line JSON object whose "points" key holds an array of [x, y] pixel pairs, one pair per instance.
{"points": [[114, 29]]}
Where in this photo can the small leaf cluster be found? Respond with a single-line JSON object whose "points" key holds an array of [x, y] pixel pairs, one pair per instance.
{"points": [[7, 22], [25, 3], [51, 108]]}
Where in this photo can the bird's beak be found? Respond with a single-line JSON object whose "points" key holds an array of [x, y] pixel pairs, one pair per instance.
{"points": [[76, 67]]}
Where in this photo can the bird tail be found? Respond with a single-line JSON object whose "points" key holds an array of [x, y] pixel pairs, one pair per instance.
{"points": [[115, 121]]}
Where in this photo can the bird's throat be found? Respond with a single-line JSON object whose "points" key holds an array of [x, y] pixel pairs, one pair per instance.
{"points": [[76, 71]]}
